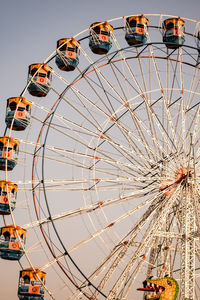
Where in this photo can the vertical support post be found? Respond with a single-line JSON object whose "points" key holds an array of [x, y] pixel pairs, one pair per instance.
{"points": [[187, 290]]}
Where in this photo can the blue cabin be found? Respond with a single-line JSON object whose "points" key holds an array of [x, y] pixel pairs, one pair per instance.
{"points": [[40, 76], [100, 41], [8, 194], [30, 284], [18, 113], [173, 32], [68, 52], [10, 247], [136, 30], [9, 149]]}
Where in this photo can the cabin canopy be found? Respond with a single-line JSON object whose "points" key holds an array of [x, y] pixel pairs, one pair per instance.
{"points": [[18, 100], [132, 21], [40, 68], [7, 186], [9, 142], [13, 230], [99, 27], [32, 274], [172, 23], [67, 42]]}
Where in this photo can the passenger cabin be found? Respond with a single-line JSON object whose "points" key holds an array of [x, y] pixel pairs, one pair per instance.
{"points": [[18, 113], [30, 287], [100, 41], [10, 247], [9, 149], [8, 195], [173, 32], [68, 52], [40, 76], [136, 30]]}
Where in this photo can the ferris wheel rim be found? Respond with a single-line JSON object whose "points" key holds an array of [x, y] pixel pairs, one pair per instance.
{"points": [[78, 78]]}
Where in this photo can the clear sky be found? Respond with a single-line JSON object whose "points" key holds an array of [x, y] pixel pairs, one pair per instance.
{"points": [[29, 31]]}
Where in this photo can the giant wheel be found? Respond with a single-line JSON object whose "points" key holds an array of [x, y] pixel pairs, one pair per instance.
{"points": [[114, 149]]}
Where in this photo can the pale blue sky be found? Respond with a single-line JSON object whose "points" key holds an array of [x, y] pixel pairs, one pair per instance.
{"points": [[29, 31]]}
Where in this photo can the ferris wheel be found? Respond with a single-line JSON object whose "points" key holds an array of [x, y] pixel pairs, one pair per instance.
{"points": [[107, 132]]}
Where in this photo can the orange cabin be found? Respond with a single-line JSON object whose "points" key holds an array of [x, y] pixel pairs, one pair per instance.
{"points": [[100, 41], [68, 52], [136, 30], [40, 76], [10, 247], [30, 284], [9, 149], [8, 194], [18, 113], [173, 32]]}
